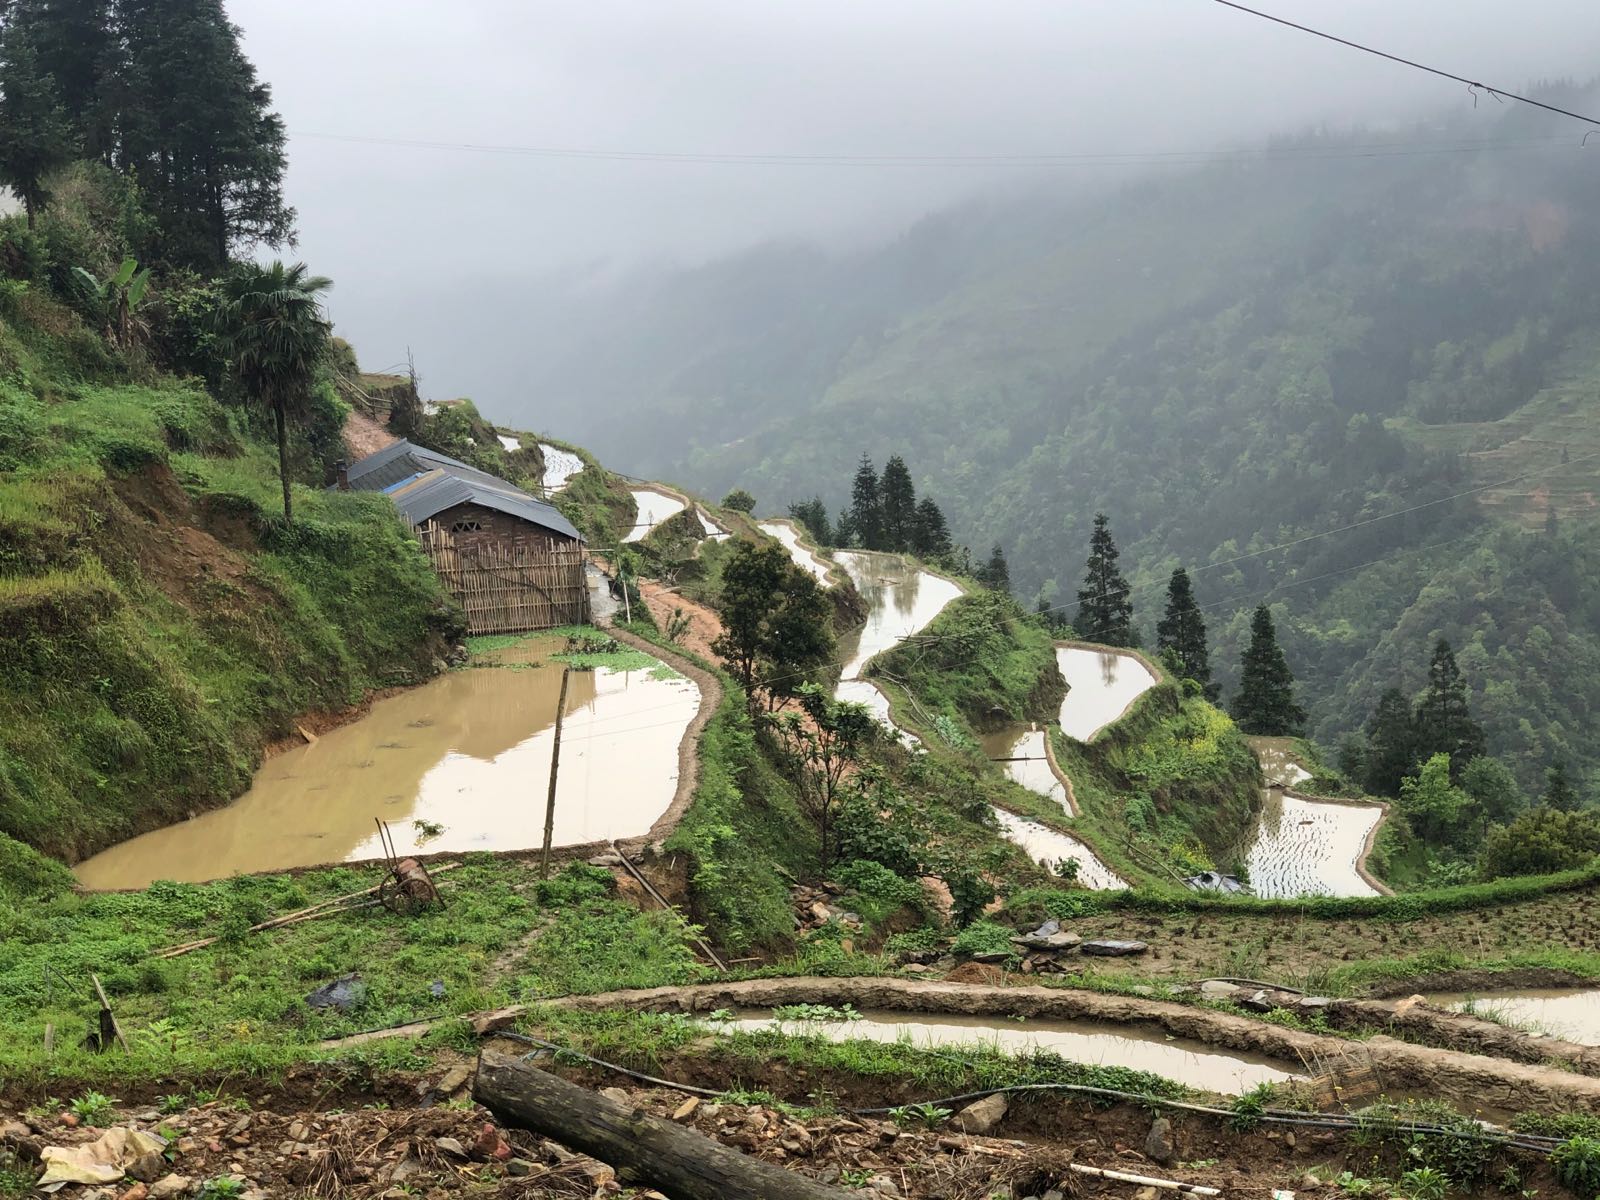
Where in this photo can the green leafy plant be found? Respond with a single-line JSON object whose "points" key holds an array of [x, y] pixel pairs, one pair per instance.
{"points": [[1577, 1165], [816, 1012], [94, 1108], [115, 301], [426, 830], [1355, 1185], [1424, 1183], [223, 1187], [928, 1115], [1249, 1108], [173, 1102], [854, 1177]]}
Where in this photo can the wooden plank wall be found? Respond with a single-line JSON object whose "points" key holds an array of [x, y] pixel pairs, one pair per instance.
{"points": [[510, 588]]}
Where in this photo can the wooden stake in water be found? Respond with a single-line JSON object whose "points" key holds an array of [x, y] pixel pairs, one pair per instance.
{"points": [[555, 765]]}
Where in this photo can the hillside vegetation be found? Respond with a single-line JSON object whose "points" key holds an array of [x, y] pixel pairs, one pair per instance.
{"points": [[1223, 360]]}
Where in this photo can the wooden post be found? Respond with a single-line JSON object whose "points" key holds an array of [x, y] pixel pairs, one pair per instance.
{"points": [[107, 1017], [627, 604], [643, 1149], [555, 765]]}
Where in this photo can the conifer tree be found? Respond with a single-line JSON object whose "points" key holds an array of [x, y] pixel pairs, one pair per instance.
{"points": [[196, 127], [77, 45], [995, 574], [1265, 703], [813, 514], [1444, 721], [1559, 793], [1105, 613], [1391, 744], [1182, 631], [866, 507], [932, 537], [897, 499], [36, 135]]}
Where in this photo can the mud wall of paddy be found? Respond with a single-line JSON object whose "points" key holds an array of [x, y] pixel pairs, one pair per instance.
{"points": [[1470, 1080]]}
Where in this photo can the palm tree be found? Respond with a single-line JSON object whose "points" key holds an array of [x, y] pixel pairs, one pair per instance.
{"points": [[272, 329]]}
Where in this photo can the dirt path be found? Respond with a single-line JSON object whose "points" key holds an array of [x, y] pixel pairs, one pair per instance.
{"points": [[705, 627], [364, 436], [1473, 1082]]}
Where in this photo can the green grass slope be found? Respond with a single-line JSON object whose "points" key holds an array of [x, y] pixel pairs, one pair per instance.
{"points": [[159, 624]]}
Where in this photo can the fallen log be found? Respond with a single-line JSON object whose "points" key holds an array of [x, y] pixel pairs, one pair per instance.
{"points": [[643, 1149]]}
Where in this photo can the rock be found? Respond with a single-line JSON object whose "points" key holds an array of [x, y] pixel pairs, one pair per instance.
{"points": [[405, 1169], [148, 1168], [1289, 1140], [453, 1080], [489, 1144], [606, 860], [1158, 1142], [169, 1186], [686, 1110], [1310, 1182], [982, 1115], [14, 1131], [1258, 1001], [820, 913], [298, 1131], [917, 968], [992, 956], [1111, 948], [1147, 1193], [617, 1096], [518, 1166], [344, 993], [1218, 989], [450, 1146], [1314, 1004], [139, 1191]]}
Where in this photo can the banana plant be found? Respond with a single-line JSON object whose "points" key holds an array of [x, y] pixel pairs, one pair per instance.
{"points": [[116, 300]]}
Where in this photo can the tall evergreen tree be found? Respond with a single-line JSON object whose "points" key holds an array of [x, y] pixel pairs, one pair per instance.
{"points": [[1559, 793], [1443, 719], [813, 514], [866, 507], [1391, 744], [1265, 703], [1105, 613], [77, 45], [897, 500], [36, 136], [932, 536], [197, 129], [1182, 631], [995, 574]]}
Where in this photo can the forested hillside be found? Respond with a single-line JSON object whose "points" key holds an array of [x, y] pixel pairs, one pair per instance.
{"points": [[1223, 359]]}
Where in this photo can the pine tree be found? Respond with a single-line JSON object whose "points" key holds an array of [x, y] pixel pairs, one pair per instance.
{"points": [[1265, 703], [197, 129], [813, 514], [932, 537], [897, 498], [77, 46], [995, 574], [1559, 793], [866, 507], [36, 136], [1183, 632], [1444, 721], [1105, 613], [1391, 744]]}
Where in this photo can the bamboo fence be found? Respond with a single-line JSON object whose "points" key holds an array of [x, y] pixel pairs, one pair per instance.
{"points": [[510, 588]]}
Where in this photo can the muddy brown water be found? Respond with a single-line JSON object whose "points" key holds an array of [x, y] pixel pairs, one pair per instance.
{"points": [[469, 751], [1188, 1062], [654, 508], [559, 468], [1101, 684], [1573, 1016], [803, 558]]}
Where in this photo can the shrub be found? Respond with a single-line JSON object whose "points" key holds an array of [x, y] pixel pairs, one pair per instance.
{"points": [[983, 937], [1577, 1165]]}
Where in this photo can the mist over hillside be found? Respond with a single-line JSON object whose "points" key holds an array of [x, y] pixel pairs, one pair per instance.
{"points": [[1223, 358]]}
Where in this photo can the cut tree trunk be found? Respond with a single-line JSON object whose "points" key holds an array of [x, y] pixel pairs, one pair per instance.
{"points": [[643, 1149]]}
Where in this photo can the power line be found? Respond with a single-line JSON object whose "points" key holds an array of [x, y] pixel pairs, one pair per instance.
{"points": [[1497, 93], [1149, 158]]}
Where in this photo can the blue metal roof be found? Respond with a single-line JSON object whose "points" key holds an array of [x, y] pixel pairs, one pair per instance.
{"points": [[423, 483]]}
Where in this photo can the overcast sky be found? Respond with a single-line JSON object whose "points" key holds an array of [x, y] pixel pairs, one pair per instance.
{"points": [[779, 77]]}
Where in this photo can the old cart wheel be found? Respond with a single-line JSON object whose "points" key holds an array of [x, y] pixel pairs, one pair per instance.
{"points": [[406, 895]]}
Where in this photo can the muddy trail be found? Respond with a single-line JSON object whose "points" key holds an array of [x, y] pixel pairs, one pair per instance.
{"points": [[423, 1135]]}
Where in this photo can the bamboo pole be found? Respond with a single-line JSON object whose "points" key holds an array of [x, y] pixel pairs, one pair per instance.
{"points": [[555, 766]]}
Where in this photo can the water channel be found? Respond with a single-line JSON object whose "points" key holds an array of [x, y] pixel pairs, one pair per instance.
{"points": [[559, 468], [786, 533], [1187, 1062], [1573, 1016], [469, 751], [654, 508]]}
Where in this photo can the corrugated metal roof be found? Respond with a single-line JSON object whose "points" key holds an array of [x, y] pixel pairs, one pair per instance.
{"points": [[423, 483]]}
